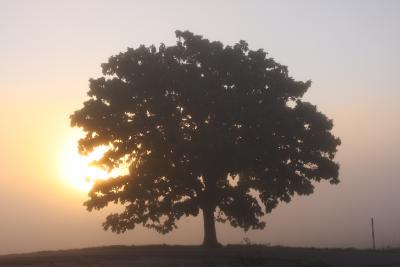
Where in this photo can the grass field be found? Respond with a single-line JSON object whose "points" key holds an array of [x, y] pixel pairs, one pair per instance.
{"points": [[182, 256]]}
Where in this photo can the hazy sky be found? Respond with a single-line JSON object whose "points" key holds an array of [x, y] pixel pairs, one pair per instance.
{"points": [[49, 50]]}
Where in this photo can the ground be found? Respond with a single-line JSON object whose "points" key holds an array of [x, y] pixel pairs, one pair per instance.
{"points": [[182, 256]]}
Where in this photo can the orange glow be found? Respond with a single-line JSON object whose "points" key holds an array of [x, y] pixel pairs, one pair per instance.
{"points": [[75, 169]]}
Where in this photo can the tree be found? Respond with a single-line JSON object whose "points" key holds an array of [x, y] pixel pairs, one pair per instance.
{"points": [[202, 126]]}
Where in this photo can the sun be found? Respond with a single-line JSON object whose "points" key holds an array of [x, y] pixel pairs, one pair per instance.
{"points": [[75, 169]]}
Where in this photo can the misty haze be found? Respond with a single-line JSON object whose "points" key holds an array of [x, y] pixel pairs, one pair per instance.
{"points": [[205, 134]]}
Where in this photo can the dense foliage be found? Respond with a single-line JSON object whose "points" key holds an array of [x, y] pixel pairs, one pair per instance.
{"points": [[202, 126]]}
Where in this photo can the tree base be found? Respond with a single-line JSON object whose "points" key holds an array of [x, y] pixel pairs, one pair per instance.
{"points": [[211, 245]]}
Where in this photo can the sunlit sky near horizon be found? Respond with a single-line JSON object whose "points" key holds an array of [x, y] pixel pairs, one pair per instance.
{"points": [[49, 50]]}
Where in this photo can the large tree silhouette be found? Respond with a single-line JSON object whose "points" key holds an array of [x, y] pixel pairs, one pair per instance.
{"points": [[203, 127]]}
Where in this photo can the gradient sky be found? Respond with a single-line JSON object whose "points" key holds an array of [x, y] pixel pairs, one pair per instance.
{"points": [[349, 49]]}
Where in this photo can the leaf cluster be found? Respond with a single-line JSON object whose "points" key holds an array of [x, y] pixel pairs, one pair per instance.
{"points": [[200, 123]]}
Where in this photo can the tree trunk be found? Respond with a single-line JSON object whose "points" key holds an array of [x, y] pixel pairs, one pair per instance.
{"points": [[208, 205], [210, 234]]}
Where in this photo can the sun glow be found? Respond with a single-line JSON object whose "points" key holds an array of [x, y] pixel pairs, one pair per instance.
{"points": [[76, 169]]}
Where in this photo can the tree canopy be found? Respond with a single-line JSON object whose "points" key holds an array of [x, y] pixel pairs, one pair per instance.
{"points": [[203, 127]]}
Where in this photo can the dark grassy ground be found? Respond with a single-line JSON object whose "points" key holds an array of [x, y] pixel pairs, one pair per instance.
{"points": [[192, 256]]}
